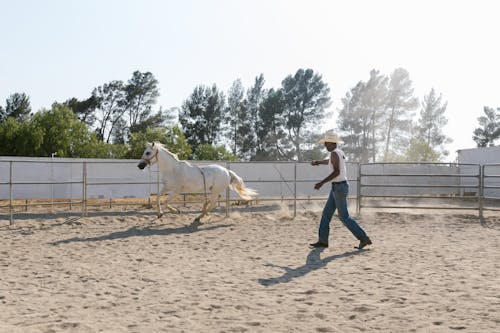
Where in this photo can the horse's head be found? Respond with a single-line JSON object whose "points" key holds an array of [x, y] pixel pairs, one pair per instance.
{"points": [[150, 156]]}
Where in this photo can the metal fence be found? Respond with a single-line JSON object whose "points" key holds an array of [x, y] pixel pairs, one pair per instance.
{"points": [[430, 186], [84, 183]]}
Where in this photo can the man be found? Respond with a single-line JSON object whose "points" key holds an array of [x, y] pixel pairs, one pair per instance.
{"points": [[338, 194]]}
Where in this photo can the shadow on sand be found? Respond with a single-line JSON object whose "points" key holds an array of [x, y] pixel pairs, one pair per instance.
{"points": [[144, 232], [313, 262]]}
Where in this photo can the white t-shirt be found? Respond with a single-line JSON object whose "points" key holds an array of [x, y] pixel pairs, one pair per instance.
{"points": [[342, 167]]}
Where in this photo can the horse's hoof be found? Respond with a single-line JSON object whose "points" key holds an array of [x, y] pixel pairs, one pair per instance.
{"points": [[159, 216]]}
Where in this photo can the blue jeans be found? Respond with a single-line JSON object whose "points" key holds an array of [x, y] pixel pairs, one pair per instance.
{"points": [[338, 200]]}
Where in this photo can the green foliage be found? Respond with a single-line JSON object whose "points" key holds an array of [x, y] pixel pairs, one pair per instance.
{"points": [[208, 152], [63, 133], [9, 134], [173, 139], [53, 131], [421, 151], [489, 132]]}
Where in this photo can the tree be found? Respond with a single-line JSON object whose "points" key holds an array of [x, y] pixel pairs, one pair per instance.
{"points": [[201, 115], [398, 113], [141, 94], [236, 117], [360, 119], [355, 125], [490, 130], [3, 114], [270, 128], [429, 129], [255, 96], [111, 100], [18, 106], [115, 109], [306, 98]]}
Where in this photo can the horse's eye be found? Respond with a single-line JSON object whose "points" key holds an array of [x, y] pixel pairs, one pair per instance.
{"points": [[148, 153]]}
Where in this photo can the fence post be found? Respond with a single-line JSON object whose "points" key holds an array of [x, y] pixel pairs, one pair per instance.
{"points": [[481, 191], [84, 189], [228, 166], [294, 189], [358, 201], [10, 195], [158, 199]]}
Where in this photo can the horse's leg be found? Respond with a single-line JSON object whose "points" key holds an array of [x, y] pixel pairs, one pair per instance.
{"points": [[213, 202], [203, 212], [159, 211], [171, 195], [208, 206], [173, 209]]}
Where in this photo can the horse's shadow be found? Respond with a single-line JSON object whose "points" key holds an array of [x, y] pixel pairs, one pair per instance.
{"points": [[143, 232], [313, 262]]}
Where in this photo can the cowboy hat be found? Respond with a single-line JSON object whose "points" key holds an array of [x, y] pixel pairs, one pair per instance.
{"points": [[330, 137]]}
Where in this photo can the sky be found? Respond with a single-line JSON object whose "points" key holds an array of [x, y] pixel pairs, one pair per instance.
{"points": [[53, 50]]}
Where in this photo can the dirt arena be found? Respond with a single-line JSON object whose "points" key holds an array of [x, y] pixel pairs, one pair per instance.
{"points": [[249, 272]]}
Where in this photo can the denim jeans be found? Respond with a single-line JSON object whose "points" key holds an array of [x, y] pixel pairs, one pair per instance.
{"points": [[338, 200]]}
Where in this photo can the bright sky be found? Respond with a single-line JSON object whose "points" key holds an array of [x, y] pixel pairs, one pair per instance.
{"points": [[57, 49]]}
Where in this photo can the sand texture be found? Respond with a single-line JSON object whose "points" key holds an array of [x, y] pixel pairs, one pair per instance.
{"points": [[250, 272]]}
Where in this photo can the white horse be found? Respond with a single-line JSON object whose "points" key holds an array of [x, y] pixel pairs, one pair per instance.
{"points": [[182, 177]]}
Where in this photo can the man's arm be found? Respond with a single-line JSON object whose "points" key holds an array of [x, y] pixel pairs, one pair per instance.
{"points": [[334, 157], [317, 162]]}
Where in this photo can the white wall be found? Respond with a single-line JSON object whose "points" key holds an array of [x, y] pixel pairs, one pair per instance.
{"points": [[483, 156]]}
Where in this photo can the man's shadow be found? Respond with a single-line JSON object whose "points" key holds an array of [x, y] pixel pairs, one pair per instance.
{"points": [[313, 262]]}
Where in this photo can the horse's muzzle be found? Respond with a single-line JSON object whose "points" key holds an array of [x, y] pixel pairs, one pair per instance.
{"points": [[142, 165]]}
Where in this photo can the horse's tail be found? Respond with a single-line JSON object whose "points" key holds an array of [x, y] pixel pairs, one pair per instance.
{"points": [[239, 187]]}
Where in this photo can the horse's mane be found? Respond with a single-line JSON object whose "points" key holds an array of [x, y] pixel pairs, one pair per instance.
{"points": [[174, 156]]}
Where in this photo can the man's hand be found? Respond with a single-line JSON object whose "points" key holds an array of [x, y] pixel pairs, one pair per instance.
{"points": [[317, 186]]}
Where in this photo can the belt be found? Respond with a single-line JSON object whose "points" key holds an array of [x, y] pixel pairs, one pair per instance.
{"points": [[337, 183]]}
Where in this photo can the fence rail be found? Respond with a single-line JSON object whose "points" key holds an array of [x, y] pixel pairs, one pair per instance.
{"points": [[376, 185]]}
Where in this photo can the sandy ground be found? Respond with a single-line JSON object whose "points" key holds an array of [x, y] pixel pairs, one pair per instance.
{"points": [[250, 272]]}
